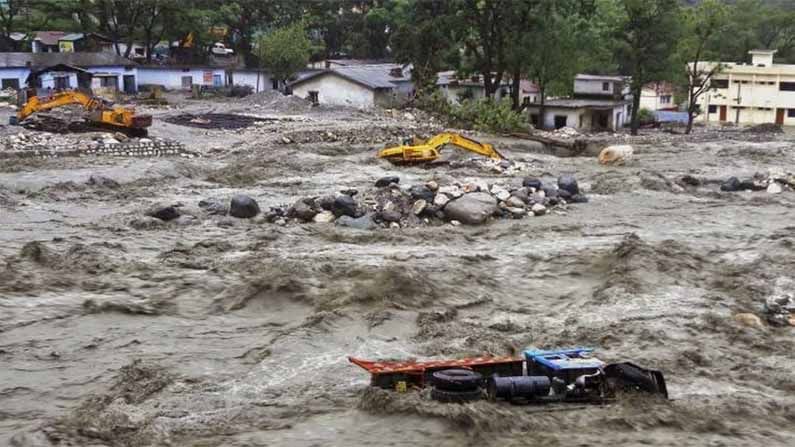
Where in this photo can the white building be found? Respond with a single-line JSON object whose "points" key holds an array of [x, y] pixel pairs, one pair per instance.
{"points": [[756, 93], [658, 96], [456, 88], [362, 86], [176, 77], [599, 103], [85, 70]]}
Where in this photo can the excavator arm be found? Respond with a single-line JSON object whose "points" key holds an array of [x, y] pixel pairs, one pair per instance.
{"points": [[37, 104], [429, 150], [120, 118]]}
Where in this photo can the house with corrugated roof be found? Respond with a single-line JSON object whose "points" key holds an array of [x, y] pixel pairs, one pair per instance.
{"points": [[599, 103], [63, 71], [362, 86]]}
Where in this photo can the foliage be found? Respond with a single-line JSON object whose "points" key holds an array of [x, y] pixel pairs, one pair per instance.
{"points": [[284, 51], [646, 116], [487, 115]]}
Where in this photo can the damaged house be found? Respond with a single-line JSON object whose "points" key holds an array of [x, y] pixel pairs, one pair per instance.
{"points": [[599, 103], [362, 86]]}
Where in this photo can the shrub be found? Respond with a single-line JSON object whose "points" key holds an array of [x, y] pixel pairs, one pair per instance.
{"points": [[646, 116], [486, 115]]}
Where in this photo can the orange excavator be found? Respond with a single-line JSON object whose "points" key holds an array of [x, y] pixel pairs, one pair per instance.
{"points": [[98, 112]]}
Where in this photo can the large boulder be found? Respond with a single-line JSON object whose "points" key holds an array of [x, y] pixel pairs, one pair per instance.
{"points": [[731, 185], [532, 182], [163, 212], [471, 209], [386, 181], [213, 206], [243, 207], [568, 183], [344, 205], [422, 192], [302, 210], [362, 223], [102, 182]]}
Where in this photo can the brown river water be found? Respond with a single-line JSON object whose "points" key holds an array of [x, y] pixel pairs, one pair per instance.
{"points": [[227, 332]]}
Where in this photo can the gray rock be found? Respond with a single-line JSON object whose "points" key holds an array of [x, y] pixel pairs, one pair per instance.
{"points": [[386, 181], [568, 183], [243, 207], [421, 192], [775, 188], [146, 223], [163, 212], [432, 185], [451, 191], [532, 182], [362, 223], [344, 205], [325, 202], [214, 207], [731, 185], [441, 200], [539, 209], [390, 216], [102, 182], [471, 209], [515, 202], [186, 220], [578, 198], [302, 210]]}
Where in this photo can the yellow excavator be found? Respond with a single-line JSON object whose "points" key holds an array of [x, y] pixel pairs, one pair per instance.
{"points": [[97, 112], [426, 151]]}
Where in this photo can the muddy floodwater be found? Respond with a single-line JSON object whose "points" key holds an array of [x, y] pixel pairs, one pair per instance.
{"points": [[213, 331]]}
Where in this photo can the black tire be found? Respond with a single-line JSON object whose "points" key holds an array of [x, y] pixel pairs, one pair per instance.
{"points": [[456, 397], [457, 380]]}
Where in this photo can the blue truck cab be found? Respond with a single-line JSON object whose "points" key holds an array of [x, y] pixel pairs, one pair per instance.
{"points": [[567, 364]]}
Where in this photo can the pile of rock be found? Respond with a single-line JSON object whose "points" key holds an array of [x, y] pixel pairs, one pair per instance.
{"points": [[390, 205], [780, 310], [368, 135], [49, 145], [774, 182]]}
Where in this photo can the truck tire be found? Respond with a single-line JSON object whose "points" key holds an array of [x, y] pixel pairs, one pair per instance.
{"points": [[457, 380], [456, 396]]}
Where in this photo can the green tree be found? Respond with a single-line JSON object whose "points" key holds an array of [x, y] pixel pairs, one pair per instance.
{"points": [[284, 51], [646, 41], [484, 39], [701, 42]]}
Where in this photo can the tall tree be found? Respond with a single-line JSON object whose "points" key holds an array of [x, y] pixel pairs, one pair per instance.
{"points": [[484, 39], [701, 42], [120, 19], [423, 38], [646, 37], [284, 51]]}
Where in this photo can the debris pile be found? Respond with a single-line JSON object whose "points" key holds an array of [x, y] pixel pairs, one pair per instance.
{"points": [[216, 120], [9, 96], [393, 206], [765, 128], [49, 145], [369, 135], [780, 309], [774, 182], [274, 100]]}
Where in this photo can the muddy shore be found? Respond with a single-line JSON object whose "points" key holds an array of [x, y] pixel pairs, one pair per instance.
{"points": [[221, 331]]}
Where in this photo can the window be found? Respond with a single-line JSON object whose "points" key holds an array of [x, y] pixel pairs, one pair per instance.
{"points": [[11, 83], [275, 84], [187, 81], [534, 119], [561, 121], [713, 109], [605, 86], [720, 83], [108, 81], [787, 86], [185, 70], [665, 99], [313, 96], [791, 113]]}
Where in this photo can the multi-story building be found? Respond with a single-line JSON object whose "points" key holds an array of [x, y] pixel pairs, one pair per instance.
{"points": [[756, 93]]}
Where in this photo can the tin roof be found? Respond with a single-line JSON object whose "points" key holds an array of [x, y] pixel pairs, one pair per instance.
{"points": [[587, 77], [376, 76], [40, 60], [48, 37], [582, 103]]}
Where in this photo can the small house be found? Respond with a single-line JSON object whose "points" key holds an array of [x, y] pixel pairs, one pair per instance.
{"points": [[658, 96], [457, 88], [62, 71], [362, 86], [599, 103]]}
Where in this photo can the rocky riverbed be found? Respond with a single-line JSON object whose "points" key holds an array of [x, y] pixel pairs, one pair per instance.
{"points": [[138, 309]]}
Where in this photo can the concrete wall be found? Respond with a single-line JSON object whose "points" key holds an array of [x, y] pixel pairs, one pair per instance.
{"points": [[759, 93], [595, 87], [20, 74], [120, 72], [649, 99], [581, 118], [453, 92], [171, 78], [249, 77], [336, 90]]}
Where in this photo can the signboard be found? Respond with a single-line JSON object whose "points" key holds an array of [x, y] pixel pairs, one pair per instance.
{"points": [[66, 47], [208, 78]]}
